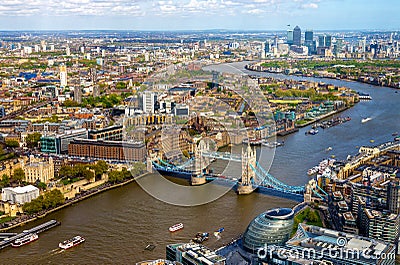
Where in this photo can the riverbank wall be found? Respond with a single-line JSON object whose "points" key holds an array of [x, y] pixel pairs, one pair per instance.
{"points": [[71, 202]]}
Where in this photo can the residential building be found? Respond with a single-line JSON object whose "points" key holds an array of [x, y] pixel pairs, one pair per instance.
{"points": [[78, 94], [63, 75], [379, 225], [149, 100]]}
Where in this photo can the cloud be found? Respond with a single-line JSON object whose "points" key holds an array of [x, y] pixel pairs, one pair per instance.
{"points": [[70, 8], [255, 11], [182, 8], [310, 5]]}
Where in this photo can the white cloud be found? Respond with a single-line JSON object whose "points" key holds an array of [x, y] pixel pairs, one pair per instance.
{"points": [[255, 11], [142, 7], [310, 5]]}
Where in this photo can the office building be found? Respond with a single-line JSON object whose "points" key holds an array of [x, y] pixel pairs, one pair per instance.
{"points": [[193, 254], [309, 41], [181, 110], [63, 75], [271, 227], [58, 143], [297, 36], [290, 37], [108, 150], [315, 245], [19, 195], [325, 41], [267, 47]]}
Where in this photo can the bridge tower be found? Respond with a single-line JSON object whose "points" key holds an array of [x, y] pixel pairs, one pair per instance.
{"points": [[245, 186], [201, 162]]}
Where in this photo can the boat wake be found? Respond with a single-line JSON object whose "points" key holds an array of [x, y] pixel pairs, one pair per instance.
{"points": [[366, 120], [56, 251]]}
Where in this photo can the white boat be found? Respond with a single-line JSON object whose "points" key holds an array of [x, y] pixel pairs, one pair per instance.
{"points": [[312, 131], [311, 171], [76, 240], [176, 227], [24, 240], [366, 119]]}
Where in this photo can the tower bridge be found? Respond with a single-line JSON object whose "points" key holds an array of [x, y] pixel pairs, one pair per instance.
{"points": [[253, 175]]}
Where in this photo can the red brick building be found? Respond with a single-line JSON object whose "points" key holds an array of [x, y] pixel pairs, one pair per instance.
{"points": [[108, 150]]}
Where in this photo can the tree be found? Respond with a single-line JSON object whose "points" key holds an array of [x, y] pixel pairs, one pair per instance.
{"points": [[5, 180], [12, 143], [49, 200], [42, 185], [87, 174], [70, 103], [312, 216], [186, 153], [65, 171], [34, 206], [100, 168], [19, 175], [33, 139], [120, 85], [114, 176]]}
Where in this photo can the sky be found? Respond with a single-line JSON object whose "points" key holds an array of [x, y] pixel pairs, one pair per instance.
{"points": [[198, 14]]}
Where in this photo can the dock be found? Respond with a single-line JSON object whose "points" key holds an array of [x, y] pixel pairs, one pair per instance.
{"points": [[37, 229], [7, 235]]}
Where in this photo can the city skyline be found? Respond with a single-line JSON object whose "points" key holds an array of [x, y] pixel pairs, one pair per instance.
{"points": [[198, 15]]}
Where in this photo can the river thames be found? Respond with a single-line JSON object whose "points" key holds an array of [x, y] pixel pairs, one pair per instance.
{"points": [[118, 224]]}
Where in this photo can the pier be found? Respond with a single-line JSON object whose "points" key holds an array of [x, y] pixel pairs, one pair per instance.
{"points": [[37, 229]]}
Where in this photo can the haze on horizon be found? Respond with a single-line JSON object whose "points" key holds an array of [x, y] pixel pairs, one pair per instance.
{"points": [[198, 14]]}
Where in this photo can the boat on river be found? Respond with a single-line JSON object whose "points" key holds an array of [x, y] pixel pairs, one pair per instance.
{"points": [[24, 240], [76, 240], [176, 227], [366, 120]]}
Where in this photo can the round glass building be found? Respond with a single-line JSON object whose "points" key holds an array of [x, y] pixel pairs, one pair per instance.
{"points": [[272, 227]]}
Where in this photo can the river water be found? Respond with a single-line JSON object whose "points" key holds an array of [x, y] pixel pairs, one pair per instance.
{"points": [[118, 224]]}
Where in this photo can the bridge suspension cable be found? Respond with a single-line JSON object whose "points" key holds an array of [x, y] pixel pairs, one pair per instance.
{"points": [[268, 179]]}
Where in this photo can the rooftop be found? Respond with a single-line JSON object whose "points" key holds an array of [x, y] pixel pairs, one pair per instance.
{"points": [[321, 238], [198, 252], [24, 189]]}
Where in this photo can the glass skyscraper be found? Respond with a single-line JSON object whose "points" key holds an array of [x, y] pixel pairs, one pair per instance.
{"points": [[297, 36]]}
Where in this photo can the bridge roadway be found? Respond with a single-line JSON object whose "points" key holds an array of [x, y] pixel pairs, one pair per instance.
{"points": [[267, 188], [223, 156], [37, 229]]}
